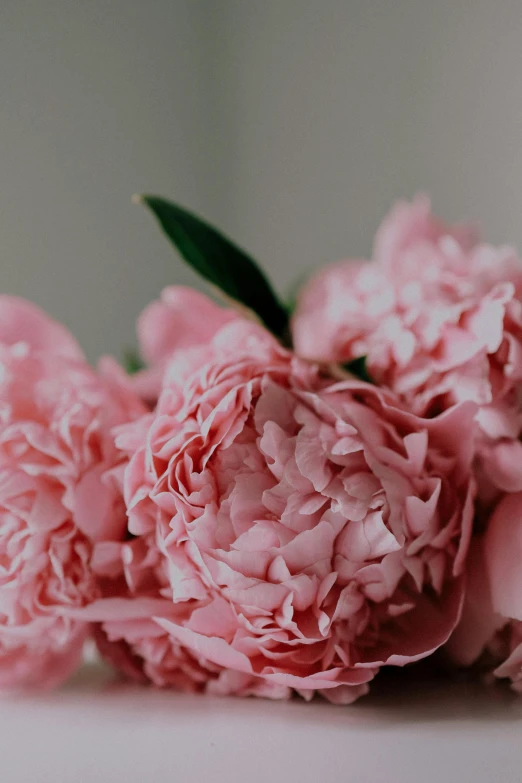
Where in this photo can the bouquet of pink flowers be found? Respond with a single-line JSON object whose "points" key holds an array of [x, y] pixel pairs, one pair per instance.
{"points": [[272, 502]]}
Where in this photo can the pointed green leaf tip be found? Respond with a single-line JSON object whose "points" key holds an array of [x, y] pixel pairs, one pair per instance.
{"points": [[132, 362], [219, 261]]}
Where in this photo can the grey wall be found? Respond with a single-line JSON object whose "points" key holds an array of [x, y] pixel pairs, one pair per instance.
{"points": [[341, 106], [292, 123], [98, 99]]}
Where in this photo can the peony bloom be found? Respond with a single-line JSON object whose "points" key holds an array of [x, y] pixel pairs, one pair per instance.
{"points": [[58, 491], [490, 629], [439, 319], [294, 534], [181, 318]]}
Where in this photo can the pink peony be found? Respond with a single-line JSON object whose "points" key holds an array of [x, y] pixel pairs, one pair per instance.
{"points": [[59, 491], [181, 318], [439, 319], [294, 535], [490, 629]]}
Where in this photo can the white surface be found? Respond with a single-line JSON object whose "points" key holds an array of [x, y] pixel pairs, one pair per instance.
{"points": [[95, 731]]}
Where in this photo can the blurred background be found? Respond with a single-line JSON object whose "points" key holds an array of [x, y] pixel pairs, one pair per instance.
{"points": [[293, 124]]}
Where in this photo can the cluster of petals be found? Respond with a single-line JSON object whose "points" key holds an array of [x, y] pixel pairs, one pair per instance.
{"points": [[438, 317], [289, 533], [59, 491]]}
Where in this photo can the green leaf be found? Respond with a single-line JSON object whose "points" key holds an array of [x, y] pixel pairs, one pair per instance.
{"points": [[220, 261], [132, 362], [358, 367]]}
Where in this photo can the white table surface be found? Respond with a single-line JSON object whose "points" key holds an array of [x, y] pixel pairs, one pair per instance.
{"points": [[93, 730]]}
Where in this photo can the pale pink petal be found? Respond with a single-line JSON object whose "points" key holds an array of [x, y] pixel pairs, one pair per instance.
{"points": [[478, 622], [22, 321], [182, 318], [503, 553]]}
